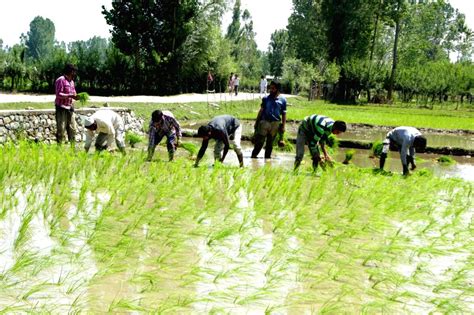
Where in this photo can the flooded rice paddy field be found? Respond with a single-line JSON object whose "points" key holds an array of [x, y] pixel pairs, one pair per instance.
{"points": [[435, 138], [107, 233]]}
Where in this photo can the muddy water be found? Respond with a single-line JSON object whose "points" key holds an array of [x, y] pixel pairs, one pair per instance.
{"points": [[463, 168], [435, 139]]}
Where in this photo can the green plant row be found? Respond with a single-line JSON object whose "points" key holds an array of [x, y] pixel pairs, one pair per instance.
{"points": [[109, 233]]}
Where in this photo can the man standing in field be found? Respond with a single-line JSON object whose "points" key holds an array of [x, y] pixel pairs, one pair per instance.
{"points": [[236, 84], [270, 119], [163, 124], [109, 126], [313, 131], [407, 140], [65, 95], [226, 130]]}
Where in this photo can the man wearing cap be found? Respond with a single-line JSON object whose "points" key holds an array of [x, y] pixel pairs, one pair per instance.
{"points": [[313, 131], [407, 140], [270, 119], [65, 95], [163, 124], [109, 126], [226, 130]]}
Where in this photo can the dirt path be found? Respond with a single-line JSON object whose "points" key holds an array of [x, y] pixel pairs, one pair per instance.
{"points": [[182, 98]]}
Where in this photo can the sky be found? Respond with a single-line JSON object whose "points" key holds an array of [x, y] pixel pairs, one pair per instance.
{"points": [[82, 19]]}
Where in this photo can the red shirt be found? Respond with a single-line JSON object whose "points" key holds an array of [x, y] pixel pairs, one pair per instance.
{"points": [[64, 88]]}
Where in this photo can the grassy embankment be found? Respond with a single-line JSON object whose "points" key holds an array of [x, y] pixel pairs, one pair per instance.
{"points": [[440, 117], [97, 233]]}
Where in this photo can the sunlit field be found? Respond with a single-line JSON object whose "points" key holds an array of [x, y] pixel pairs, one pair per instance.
{"points": [[109, 233]]}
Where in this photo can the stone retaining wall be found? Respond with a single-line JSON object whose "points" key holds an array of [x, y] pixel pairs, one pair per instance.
{"points": [[40, 124]]}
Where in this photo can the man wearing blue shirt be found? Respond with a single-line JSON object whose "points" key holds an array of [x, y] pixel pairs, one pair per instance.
{"points": [[270, 119]]}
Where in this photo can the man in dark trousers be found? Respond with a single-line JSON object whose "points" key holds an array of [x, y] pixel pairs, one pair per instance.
{"points": [[270, 119], [226, 130], [407, 140], [163, 124], [313, 131]]}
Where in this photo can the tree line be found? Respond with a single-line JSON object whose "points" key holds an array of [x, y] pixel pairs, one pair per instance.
{"points": [[341, 50]]}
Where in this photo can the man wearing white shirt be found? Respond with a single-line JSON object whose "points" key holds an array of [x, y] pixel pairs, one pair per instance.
{"points": [[263, 86], [109, 126]]}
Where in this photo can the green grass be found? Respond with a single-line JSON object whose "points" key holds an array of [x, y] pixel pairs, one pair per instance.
{"points": [[440, 117], [124, 236]]}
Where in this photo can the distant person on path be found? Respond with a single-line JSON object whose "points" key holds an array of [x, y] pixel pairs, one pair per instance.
{"points": [[231, 83], [210, 81], [263, 86], [163, 124], [236, 84], [407, 140], [65, 96], [270, 119], [109, 126], [226, 130], [315, 130]]}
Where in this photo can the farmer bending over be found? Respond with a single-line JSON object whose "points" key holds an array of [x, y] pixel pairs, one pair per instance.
{"points": [[163, 124], [406, 140], [109, 126], [314, 130], [224, 129], [270, 119]]}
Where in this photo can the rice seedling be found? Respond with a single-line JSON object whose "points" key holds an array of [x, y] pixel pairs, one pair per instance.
{"points": [[377, 148], [446, 160], [83, 98], [133, 138], [166, 237], [282, 143], [348, 156], [190, 147]]}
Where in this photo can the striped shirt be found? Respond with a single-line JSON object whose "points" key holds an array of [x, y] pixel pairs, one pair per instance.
{"points": [[317, 128], [167, 126], [64, 88]]}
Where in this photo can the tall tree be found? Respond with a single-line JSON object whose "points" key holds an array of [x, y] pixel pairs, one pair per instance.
{"points": [[233, 30], [398, 11], [40, 38], [152, 32], [307, 31], [277, 51]]}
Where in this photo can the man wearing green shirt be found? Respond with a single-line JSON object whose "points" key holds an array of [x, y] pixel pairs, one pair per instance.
{"points": [[313, 131]]}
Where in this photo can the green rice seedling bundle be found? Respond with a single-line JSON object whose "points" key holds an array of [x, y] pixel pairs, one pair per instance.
{"points": [[348, 156], [377, 148], [83, 98], [282, 142], [190, 147], [446, 160], [133, 138]]}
